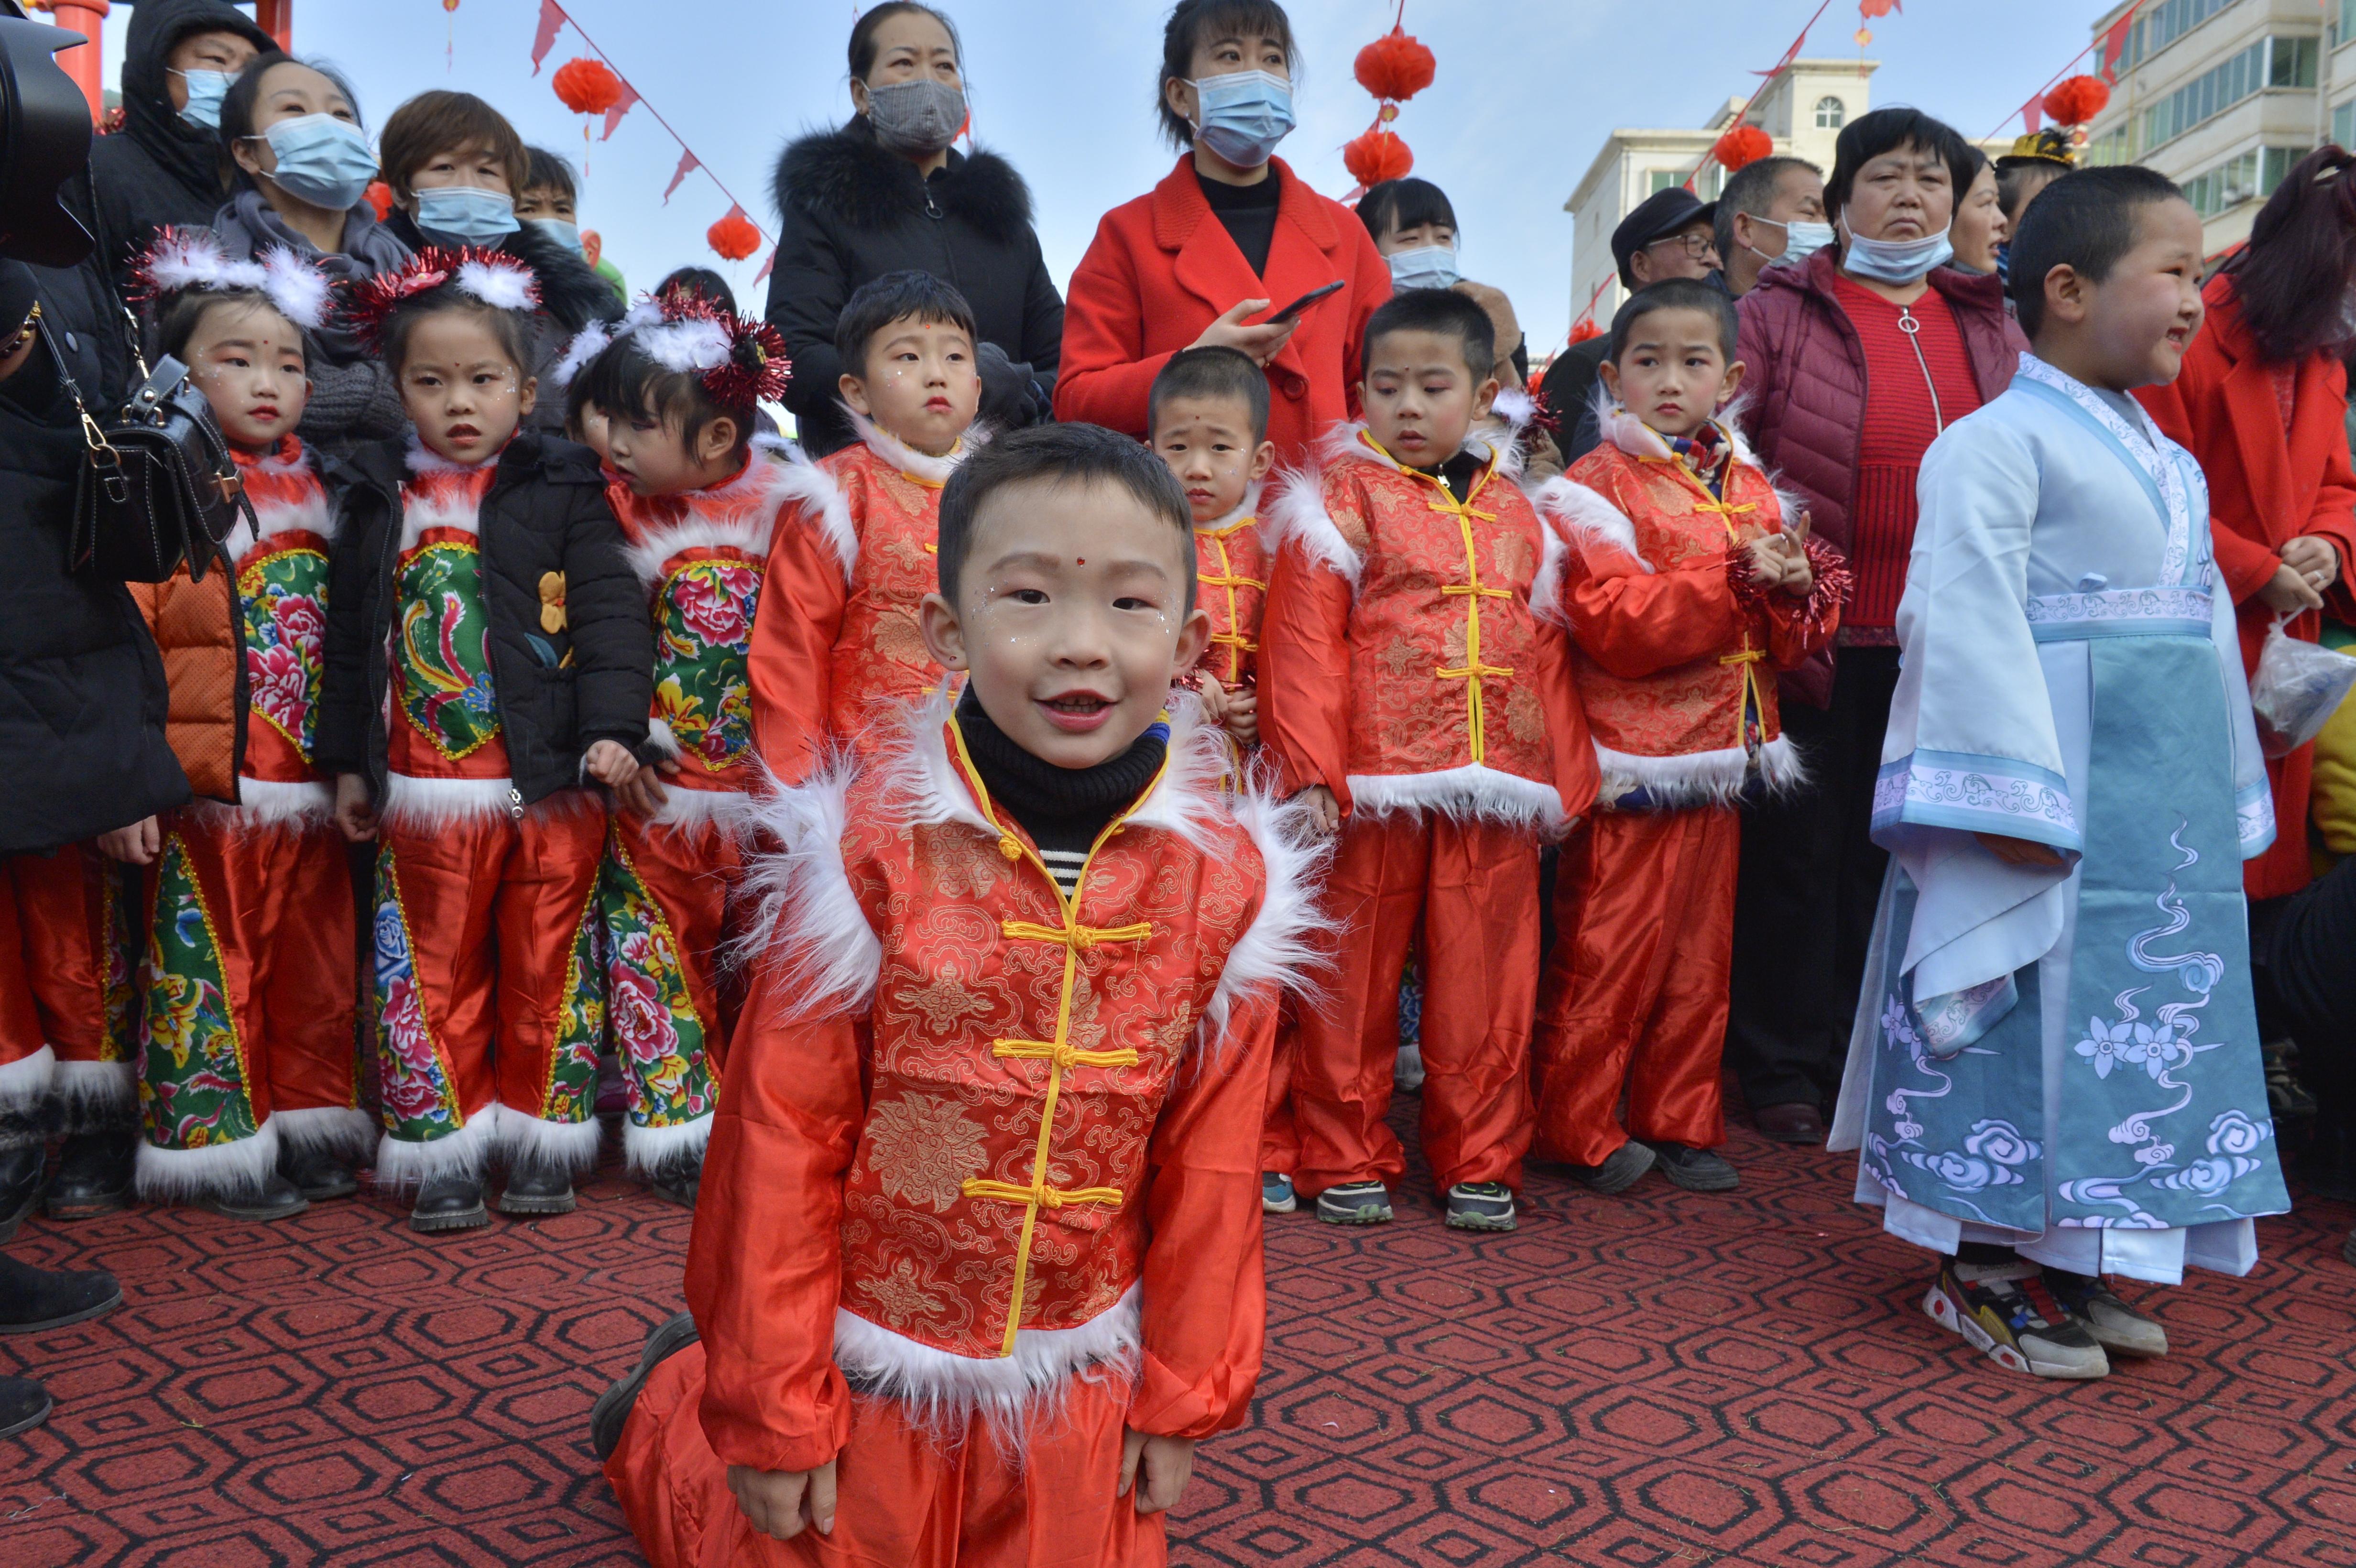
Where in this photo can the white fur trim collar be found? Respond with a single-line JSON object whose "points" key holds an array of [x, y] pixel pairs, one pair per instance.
{"points": [[1298, 519], [1594, 524], [1274, 952], [1246, 510], [1697, 778], [741, 514], [819, 501], [891, 449], [422, 459], [456, 507], [309, 514]]}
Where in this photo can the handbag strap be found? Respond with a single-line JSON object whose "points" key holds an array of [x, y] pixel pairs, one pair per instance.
{"points": [[105, 459]]}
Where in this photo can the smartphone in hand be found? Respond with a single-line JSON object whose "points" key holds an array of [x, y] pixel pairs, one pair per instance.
{"points": [[1303, 302]]}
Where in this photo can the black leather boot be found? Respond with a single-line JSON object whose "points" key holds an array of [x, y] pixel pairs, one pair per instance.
{"points": [[20, 1183], [677, 1181], [275, 1199], [537, 1187], [34, 1300], [450, 1203], [93, 1174], [318, 1174], [24, 1404]]}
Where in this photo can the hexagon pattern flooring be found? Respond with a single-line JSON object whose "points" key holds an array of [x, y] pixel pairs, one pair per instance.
{"points": [[1662, 1380]]}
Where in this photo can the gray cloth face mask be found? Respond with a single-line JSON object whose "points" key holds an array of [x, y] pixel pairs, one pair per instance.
{"points": [[920, 116]]}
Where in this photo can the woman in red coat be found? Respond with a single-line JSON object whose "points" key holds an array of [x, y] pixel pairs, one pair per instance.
{"points": [[1231, 231], [2263, 403]]}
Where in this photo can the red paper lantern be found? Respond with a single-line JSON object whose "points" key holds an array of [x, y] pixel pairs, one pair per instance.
{"points": [[2077, 101], [1744, 145], [1375, 156], [1585, 328], [380, 198], [586, 86], [1395, 66], [734, 236]]}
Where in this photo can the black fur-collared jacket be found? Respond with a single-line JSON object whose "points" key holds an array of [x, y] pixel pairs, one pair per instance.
{"points": [[850, 211]]}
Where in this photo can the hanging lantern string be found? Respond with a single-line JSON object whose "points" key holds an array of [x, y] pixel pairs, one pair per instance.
{"points": [[741, 209], [2116, 29]]}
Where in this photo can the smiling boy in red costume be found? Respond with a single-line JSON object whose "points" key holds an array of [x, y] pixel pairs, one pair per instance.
{"points": [[978, 1255]]}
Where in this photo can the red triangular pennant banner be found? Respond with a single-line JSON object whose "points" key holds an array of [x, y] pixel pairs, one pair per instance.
{"points": [[2114, 45], [2032, 113], [621, 106], [765, 265], [543, 38], [688, 164]]}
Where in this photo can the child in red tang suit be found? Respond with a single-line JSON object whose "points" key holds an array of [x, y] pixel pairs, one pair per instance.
{"points": [[1684, 592], [248, 1086], [836, 642], [977, 1255], [1411, 683], [677, 389]]}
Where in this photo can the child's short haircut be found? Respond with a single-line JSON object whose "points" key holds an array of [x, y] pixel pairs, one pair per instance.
{"points": [[2084, 222], [701, 280], [878, 303], [185, 311], [544, 170], [1406, 203], [438, 121], [626, 380], [1061, 454], [1677, 294], [1442, 311], [1214, 372]]}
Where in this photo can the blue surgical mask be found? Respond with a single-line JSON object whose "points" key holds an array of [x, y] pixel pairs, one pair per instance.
{"points": [[206, 90], [1897, 262], [1241, 116], [467, 213], [557, 228], [1425, 267], [321, 160], [1801, 240]]}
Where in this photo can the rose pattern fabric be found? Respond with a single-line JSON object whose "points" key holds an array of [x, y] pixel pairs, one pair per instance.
{"points": [[442, 649], [124, 1034], [285, 627], [419, 1104], [658, 1034], [193, 1077], [571, 1092], [703, 687]]}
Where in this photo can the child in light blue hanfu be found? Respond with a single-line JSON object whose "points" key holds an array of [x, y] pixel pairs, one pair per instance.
{"points": [[2055, 1075]]}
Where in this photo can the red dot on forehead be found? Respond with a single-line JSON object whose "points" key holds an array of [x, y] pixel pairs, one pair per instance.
{"points": [[1084, 560]]}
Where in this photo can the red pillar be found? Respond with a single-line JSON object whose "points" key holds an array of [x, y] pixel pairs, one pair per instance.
{"points": [[276, 18], [85, 65]]}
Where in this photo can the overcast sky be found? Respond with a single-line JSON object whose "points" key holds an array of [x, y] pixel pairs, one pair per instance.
{"points": [[1526, 91]]}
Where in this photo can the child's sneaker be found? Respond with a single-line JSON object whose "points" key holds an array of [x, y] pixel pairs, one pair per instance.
{"points": [[1356, 1203], [2116, 1326], [1406, 1074], [1987, 1305], [1275, 1194], [1481, 1206]]}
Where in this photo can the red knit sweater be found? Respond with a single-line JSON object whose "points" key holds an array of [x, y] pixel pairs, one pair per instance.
{"points": [[1899, 426]]}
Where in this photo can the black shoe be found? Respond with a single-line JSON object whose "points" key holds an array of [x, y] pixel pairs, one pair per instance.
{"points": [[1621, 1169], [536, 1187], [450, 1203], [20, 1184], [1356, 1203], [1481, 1206], [93, 1174], [678, 1181], [1695, 1169], [2327, 1166], [612, 1411], [318, 1174], [34, 1300], [24, 1404], [275, 1199]]}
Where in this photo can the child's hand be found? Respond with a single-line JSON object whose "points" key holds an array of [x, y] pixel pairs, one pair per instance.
{"points": [[781, 1504], [1799, 571], [611, 764], [1767, 566], [1213, 697], [1324, 811], [2019, 851], [137, 845], [1243, 716], [1158, 1468], [355, 815]]}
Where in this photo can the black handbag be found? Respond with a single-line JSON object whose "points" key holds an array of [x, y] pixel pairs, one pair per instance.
{"points": [[159, 487]]}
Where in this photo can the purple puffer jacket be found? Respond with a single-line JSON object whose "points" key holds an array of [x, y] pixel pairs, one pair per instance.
{"points": [[1803, 392]]}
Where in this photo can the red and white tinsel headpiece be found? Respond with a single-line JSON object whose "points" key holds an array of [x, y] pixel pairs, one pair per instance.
{"points": [[739, 362], [184, 259], [493, 277]]}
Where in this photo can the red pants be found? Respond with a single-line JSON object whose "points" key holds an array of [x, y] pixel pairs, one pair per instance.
{"points": [[1474, 885], [1280, 1139], [1635, 990], [486, 989], [66, 986], [250, 992], [665, 903], [901, 1501]]}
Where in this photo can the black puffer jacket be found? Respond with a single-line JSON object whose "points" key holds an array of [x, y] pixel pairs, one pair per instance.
{"points": [[82, 700], [558, 693], [850, 211]]}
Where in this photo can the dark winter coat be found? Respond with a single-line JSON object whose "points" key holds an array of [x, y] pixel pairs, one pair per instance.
{"points": [[1804, 396], [82, 700], [848, 211], [558, 693]]}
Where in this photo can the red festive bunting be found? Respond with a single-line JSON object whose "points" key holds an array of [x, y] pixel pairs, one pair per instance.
{"points": [[587, 86], [1870, 9], [2032, 113], [543, 38], [688, 165], [2077, 101], [1377, 155], [734, 236], [1743, 145], [1396, 66], [619, 108]]}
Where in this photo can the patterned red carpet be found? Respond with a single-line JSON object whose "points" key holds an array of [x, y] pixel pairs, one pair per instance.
{"points": [[1665, 1379]]}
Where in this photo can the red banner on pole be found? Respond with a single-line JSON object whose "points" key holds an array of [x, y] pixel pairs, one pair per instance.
{"points": [[543, 38]]}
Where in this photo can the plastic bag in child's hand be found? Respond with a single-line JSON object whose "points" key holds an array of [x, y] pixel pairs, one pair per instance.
{"points": [[2297, 687]]}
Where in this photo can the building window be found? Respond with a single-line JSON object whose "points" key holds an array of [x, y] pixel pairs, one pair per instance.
{"points": [[2251, 177], [2161, 25], [1662, 179], [2343, 123], [2268, 63], [1830, 113], [2111, 147]]}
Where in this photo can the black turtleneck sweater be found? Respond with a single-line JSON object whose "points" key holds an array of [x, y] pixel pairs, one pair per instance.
{"points": [[1458, 474], [1063, 809], [1249, 214]]}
